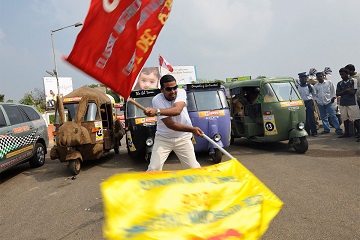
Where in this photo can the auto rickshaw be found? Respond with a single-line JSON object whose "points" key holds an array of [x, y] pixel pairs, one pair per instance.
{"points": [[85, 128], [270, 110], [140, 129], [209, 110]]}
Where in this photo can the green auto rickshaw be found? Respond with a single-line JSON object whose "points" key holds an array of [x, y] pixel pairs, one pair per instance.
{"points": [[268, 110]]}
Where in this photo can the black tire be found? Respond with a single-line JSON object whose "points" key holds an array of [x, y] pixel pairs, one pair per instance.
{"points": [[148, 156], [117, 146], [300, 144], [75, 166], [217, 156], [232, 139], [38, 159]]}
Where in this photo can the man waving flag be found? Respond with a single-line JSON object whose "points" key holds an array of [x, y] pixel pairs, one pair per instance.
{"points": [[163, 63], [117, 38]]}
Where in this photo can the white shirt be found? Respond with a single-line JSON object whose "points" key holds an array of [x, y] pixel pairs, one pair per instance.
{"points": [[159, 101], [305, 93], [324, 92]]}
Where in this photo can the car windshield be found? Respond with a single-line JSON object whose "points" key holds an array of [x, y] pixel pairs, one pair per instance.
{"points": [[206, 100], [284, 91], [134, 112]]}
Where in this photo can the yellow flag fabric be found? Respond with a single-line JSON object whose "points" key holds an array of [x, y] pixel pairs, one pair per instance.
{"points": [[222, 201]]}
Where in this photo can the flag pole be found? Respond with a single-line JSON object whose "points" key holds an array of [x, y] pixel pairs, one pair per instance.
{"points": [[160, 66], [136, 104]]}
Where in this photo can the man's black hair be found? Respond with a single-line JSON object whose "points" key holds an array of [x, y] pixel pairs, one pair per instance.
{"points": [[166, 78], [344, 70], [351, 67]]}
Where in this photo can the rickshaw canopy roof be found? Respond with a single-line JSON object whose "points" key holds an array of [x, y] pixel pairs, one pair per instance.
{"points": [[91, 94], [258, 82]]}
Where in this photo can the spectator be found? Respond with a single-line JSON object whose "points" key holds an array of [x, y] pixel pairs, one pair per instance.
{"points": [[307, 91], [325, 97], [350, 112], [355, 75]]}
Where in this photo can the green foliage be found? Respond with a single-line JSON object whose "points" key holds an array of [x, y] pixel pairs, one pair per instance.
{"points": [[201, 80], [2, 97], [35, 98], [113, 94]]}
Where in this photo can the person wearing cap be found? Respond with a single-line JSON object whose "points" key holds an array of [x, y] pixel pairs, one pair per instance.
{"points": [[174, 129], [350, 112], [325, 97], [307, 91]]}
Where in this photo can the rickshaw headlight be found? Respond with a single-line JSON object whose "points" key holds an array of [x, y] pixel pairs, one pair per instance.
{"points": [[301, 125], [217, 137], [149, 142]]}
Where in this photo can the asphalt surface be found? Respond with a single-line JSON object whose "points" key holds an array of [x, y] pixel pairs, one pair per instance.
{"points": [[320, 190]]}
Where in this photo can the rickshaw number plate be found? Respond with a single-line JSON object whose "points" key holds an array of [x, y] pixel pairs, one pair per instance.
{"points": [[269, 125], [99, 134]]}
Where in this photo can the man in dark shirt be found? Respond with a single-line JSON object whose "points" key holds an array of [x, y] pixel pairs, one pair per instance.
{"points": [[350, 112]]}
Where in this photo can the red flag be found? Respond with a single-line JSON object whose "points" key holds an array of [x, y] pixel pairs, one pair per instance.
{"points": [[163, 63], [117, 38]]}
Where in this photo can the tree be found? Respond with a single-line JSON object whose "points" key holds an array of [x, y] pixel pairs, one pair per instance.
{"points": [[2, 97], [36, 98]]}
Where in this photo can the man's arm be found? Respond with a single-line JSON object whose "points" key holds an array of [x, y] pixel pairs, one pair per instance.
{"points": [[181, 128], [173, 111]]}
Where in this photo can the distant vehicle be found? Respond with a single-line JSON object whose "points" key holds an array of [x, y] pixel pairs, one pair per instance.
{"points": [[119, 110], [23, 136]]}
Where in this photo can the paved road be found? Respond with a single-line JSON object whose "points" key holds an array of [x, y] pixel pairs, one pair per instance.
{"points": [[320, 191]]}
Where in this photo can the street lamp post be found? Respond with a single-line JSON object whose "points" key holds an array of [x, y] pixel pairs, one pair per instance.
{"points": [[52, 42]]}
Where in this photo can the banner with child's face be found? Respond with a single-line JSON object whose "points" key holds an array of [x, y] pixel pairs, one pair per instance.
{"points": [[148, 78]]}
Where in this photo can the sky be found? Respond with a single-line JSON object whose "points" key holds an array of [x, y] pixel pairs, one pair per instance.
{"points": [[221, 38]]}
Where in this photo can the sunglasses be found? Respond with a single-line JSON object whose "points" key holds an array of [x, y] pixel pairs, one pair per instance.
{"points": [[169, 89]]}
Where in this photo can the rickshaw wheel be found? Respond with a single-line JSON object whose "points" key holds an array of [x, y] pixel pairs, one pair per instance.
{"points": [[232, 139], [117, 146], [75, 166], [148, 156], [300, 144], [217, 156]]}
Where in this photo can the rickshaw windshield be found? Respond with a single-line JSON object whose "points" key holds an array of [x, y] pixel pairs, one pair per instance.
{"points": [[284, 91], [206, 100], [71, 110], [134, 112]]}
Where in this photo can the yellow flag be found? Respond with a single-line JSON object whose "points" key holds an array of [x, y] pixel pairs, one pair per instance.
{"points": [[222, 201]]}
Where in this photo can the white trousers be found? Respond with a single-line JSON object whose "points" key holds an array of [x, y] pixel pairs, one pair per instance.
{"points": [[183, 148]]}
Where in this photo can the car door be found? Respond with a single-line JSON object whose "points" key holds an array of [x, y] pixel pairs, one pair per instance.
{"points": [[16, 140]]}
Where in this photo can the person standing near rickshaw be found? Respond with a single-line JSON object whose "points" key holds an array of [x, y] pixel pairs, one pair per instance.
{"points": [[350, 112], [174, 128], [325, 97], [306, 91]]}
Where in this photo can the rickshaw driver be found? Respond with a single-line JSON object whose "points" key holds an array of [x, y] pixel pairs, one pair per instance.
{"points": [[174, 131]]}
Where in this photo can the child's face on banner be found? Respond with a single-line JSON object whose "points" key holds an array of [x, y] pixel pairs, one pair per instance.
{"points": [[148, 81]]}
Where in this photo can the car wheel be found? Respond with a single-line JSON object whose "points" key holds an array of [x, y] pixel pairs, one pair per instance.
{"points": [[75, 166], [38, 159]]}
